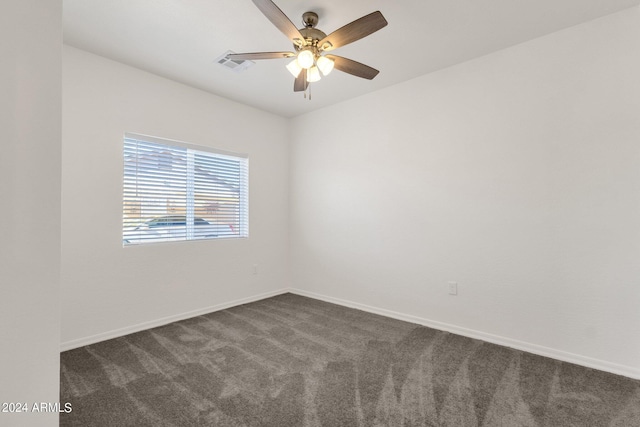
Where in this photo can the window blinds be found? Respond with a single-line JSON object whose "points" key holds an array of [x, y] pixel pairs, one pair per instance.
{"points": [[173, 192]]}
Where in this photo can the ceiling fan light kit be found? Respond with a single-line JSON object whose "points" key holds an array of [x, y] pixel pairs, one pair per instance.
{"points": [[325, 64], [294, 68], [310, 44], [306, 58], [313, 75]]}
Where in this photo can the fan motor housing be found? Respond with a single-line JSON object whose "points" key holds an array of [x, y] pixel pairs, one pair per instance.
{"points": [[311, 34]]}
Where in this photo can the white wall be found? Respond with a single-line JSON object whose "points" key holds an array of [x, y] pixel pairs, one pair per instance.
{"points": [[30, 160], [109, 290], [516, 175]]}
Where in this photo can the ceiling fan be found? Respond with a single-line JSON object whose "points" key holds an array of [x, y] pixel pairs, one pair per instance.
{"points": [[311, 45]]}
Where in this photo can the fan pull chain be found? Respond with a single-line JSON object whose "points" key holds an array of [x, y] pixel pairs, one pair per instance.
{"points": [[307, 91]]}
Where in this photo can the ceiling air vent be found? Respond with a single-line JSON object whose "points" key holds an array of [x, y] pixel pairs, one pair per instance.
{"points": [[237, 65]]}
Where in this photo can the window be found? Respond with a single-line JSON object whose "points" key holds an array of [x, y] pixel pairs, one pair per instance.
{"points": [[174, 192]]}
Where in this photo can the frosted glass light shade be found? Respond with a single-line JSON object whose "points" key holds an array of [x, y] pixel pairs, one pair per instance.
{"points": [[305, 59], [294, 68], [313, 74], [325, 65]]}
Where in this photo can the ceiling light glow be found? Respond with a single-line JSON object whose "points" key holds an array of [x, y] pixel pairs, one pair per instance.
{"points": [[294, 68], [313, 74], [325, 64], [305, 58]]}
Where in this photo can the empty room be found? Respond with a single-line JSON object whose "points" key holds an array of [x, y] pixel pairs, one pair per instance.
{"points": [[320, 213]]}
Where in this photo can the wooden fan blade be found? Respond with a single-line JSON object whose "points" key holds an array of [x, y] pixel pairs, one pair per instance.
{"points": [[280, 20], [353, 67], [260, 55], [353, 31], [301, 83]]}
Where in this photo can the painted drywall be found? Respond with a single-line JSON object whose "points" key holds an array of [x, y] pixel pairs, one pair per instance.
{"points": [[30, 162], [516, 175], [110, 290]]}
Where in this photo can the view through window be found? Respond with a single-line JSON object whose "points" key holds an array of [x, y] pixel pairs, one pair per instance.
{"points": [[174, 192]]}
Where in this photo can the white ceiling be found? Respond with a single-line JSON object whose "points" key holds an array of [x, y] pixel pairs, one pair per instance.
{"points": [[180, 39]]}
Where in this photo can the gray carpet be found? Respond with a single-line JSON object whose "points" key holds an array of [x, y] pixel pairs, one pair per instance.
{"points": [[295, 361]]}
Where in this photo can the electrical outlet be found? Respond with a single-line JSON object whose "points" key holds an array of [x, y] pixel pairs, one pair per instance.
{"points": [[453, 288], [255, 269]]}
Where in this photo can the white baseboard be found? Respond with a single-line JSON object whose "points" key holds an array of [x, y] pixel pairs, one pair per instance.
{"points": [[69, 345], [564, 356]]}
